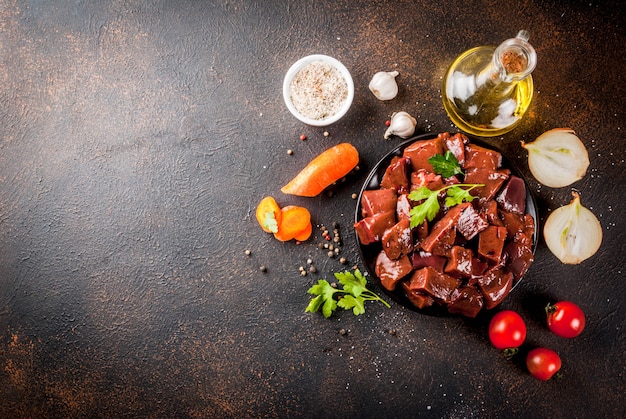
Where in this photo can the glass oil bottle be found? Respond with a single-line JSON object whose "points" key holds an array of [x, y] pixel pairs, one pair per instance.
{"points": [[487, 90]]}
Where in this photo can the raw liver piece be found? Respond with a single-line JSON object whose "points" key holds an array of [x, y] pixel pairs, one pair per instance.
{"points": [[397, 241], [467, 301], [418, 299], [491, 242], [420, 151], [460, 263], [520, 228], [436, 284], [396, 175], [490, 210], [512, 198], [492, 180], [391, 271], [423, 177], [495, 285], [423, 259], [470, 223], [520, 256], [371, 229], [403, 207], [442, 236], [456, 145], [377, 200], [477, 157]]}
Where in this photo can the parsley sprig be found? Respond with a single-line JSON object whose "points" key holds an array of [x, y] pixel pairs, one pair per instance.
{"points": [[270, 222], [352, 296], [428, 210], [445, 165]]}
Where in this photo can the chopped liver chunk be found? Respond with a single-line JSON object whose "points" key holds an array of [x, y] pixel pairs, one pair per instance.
{"points": [[430, 282], [377, 200], [491, 242], [396, 176], [371, 229], [398, 240], [420, 151], [391, 271]]}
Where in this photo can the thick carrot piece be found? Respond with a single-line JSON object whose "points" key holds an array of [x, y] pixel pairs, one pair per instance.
{"points": [[294, 220], [304, 234], [268, 214], [325, 169]]}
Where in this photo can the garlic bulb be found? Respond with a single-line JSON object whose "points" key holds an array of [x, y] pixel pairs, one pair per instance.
{"points": [[402, 124], [572, 232], [557, 158], [384, 85]]}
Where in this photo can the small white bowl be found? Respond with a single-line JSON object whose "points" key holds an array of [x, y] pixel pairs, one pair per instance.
{"points": [[301, 63]]}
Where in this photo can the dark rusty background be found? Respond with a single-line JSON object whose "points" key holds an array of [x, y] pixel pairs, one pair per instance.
{"points": [[136, 139]]}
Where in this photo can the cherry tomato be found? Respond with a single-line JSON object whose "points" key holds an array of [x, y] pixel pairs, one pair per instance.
{"points": [[565, 319], [507, 330], [543, 363]]}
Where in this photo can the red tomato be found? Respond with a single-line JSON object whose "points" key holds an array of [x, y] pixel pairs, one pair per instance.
{"points": [[543, 363], [565, 319], [507, 330]]}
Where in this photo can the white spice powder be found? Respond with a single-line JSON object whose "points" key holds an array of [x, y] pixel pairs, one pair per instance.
{"points": [[318, 90]]}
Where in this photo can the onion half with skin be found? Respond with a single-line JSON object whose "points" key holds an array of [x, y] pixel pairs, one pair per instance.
{"points": [[557, 158], [572, 232]]}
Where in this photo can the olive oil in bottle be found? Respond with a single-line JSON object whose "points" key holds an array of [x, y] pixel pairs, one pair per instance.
{"points": [[487, 90]]}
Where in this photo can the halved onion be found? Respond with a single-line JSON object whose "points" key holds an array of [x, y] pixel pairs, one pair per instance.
{"points": [[572, 232], [557, 158]]}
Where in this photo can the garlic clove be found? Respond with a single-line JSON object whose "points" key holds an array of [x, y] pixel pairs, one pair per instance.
{"points": [[402, 125], [384, 85], [557, 158], [572, 232]]}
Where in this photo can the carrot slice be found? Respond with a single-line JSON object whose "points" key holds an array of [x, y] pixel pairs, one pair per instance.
{"points": [[325, 169], [294, 220], [268, 214], [304, 234]]}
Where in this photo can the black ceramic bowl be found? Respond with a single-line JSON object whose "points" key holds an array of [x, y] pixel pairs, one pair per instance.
{"points": [[369, 252]]}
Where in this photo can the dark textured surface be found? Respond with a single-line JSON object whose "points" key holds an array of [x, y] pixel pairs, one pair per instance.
{"points": [[136, 139]]}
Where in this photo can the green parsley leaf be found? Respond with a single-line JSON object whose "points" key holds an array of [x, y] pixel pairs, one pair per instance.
{"points": [[351, 283], [446, 165], [456, 195], [352, 296], [429, 208], [324, 299], [350, 302], [269, 221]]}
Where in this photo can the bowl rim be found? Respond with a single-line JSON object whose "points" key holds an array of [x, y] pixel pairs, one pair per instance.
{"points": [[375, 175], [297, 66]]}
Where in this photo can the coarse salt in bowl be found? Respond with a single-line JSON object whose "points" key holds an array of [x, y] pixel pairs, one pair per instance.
{"points": [[318, 90]]}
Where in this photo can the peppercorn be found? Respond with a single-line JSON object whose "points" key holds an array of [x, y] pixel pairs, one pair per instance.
{"points": [[263, 268], [303, 137]]}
